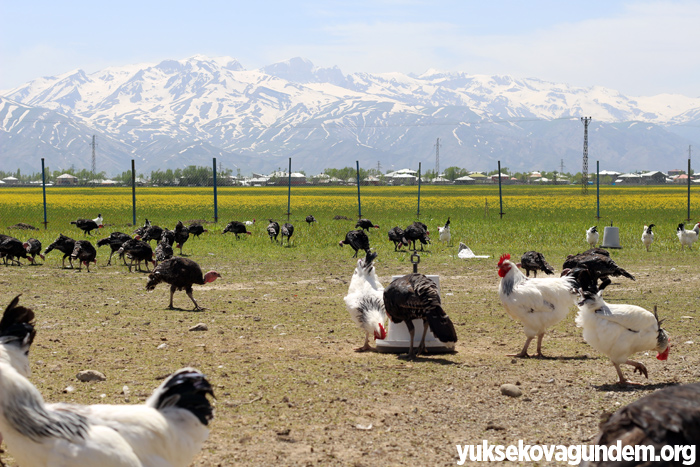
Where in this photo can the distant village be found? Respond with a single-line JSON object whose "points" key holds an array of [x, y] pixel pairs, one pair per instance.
{"points": [[202, 176]]}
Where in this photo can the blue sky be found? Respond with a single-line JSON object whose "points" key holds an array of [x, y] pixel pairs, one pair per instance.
{"points": [[637, 47]]}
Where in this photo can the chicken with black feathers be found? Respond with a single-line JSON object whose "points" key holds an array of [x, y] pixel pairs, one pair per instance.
{"points": [[415, 296], [357, 239], [534, 261], [181, 274]]}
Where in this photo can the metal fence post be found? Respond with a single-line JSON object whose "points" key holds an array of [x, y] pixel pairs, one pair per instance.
{"points": [[216, 208], [43, 187], [289, 191], [359, 204], [418, 212], [133, 191]]}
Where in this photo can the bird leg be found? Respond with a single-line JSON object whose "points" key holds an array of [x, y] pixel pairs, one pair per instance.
{"points": [[539, 345], [411, 332], [196, 306], [366, 347], [109, 261], [523, 353], [421, 347], [172, 292], [638, 367]]}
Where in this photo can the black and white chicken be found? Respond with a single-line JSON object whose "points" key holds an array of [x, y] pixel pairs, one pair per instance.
{"points": [[365, 301], [169, 429], [415, 296], [592, 236], [688, 237], [445, 235], [648, 236], [88, 225]]}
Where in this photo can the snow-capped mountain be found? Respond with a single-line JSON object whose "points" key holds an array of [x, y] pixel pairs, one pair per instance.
{"points": [[184, 112]]}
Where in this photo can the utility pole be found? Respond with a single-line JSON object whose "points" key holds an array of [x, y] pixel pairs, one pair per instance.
{"points": [[584, 173], [437, 158], [379, 168], [561, 167], [94, 146]]}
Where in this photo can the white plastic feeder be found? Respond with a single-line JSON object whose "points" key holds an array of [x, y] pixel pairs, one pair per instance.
{"points": [[398, 339], [611, 238]]}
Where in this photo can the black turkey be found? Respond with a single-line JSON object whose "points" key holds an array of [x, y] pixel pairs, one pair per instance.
{"points": [[12, 249], [88, 225], [85, 253], [65, 245], [599, 263], [196, 229], [237, 228], [414, 296], [273, 230], [181, 274], [397, 236], [137, 251], [33, 247], [310, 219], [366, 224], [181, 235], [417, 231], [287, 231], [534, 261], [667, 417], [115, 241], [358, 240]]}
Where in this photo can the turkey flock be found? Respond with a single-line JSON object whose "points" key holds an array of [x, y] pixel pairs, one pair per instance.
{"points": [[170, 427]]}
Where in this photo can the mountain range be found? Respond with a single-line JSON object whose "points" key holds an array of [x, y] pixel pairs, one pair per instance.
{"points": [[185, 112]]}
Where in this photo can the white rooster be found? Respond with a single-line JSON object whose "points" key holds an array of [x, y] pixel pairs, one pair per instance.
{"points": [[688, 237], [620, 330], [648, 236], [365, 301], [445, 235], [168, 430], [592, 236], [537, 303]]}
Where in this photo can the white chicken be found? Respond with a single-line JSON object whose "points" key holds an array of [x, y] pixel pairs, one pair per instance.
{"points": [[537, 303], [688, 237], [592, 236], [365, 301], [168, 430], [620, 330], [99, 220], [445, 235], [648, 236]]}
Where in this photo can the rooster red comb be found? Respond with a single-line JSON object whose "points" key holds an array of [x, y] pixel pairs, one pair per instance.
{"points": [[503, 258]]}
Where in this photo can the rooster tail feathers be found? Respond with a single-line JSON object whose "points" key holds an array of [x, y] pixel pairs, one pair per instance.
{"points": [[187, 389], [441, 325]]}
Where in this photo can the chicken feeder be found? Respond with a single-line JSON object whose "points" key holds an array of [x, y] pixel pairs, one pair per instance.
{"points": [[611, 238], [398, 339]]}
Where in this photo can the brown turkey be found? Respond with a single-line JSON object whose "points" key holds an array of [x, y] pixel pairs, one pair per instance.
{"points": [[397, 236], [181, 274], [417, 231], [667, 417], [85, 253], [414, 296]]}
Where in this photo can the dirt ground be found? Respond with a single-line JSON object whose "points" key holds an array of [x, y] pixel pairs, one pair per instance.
{"points": [[291, 391]]}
